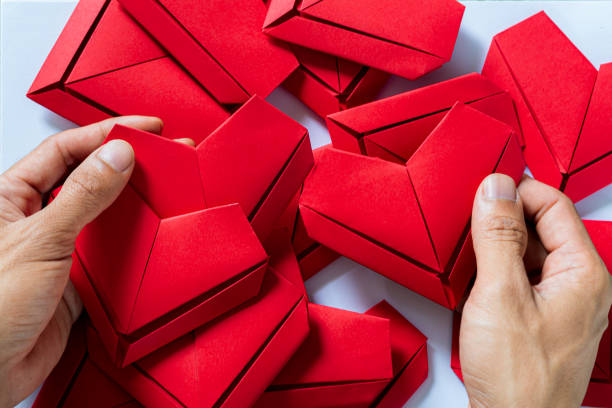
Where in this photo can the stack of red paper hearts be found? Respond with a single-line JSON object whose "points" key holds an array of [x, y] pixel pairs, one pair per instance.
{"points": [[193, 280]]}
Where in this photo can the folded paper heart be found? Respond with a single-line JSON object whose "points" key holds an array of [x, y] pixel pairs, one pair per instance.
{"points": [[410, 221], [104, 65], [229, 361], [599, 391], [393, 128], [328, 84], [408, 38], [76, 382], [221, 45], [180, 245], [562, 101], [376, 359]]}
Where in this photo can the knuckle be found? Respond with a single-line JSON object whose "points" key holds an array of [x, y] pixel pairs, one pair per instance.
{"points": [[103, 128], [566, 202], [503, 228]]}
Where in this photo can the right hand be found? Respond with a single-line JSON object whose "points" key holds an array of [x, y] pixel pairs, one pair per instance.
{"points": [[523, 345]]}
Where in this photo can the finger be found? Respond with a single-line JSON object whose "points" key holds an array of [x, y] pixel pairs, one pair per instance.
{"points": [[554, 216], [499, 234], [572, 258], [90, 189], [186, 140], [46, 165]]}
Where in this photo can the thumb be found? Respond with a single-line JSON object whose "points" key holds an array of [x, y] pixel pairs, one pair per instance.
{"points": [[500, 235], [91, 188]]}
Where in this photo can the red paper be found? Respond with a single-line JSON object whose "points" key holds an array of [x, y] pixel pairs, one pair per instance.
{"points": [[564, 113], [393, 128], [328, 84], [104, 65], [228, 362], [282, 257], [404, 37], [180, 246], [76, 382], [396, 218], [311, 255], [351, 359], [599, 392], [222, 46]]}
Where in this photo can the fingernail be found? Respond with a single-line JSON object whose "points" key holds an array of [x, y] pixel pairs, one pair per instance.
{"points": [[499, 187], [118, 154]]}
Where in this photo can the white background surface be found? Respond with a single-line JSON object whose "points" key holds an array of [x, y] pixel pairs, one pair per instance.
{"points": [[29, 29]]}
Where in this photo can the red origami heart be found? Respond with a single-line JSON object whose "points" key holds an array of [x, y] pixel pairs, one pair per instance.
{"points": [[404, 37], [180, 245], [393, 128], [411, 222], [103, 64], [352, 359], [563, 104], [230, 361]]}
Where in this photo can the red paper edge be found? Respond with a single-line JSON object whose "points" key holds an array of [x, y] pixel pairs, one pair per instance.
{"points": [[60, 379], [538, 154], [94, 307], [344, 138], [413, 375], [279, 350], [68, 106], [590, 179], [210, 308], [289, 181], [123, 351], [132, 380], [316, 96], [433, 289], [324, 101], [367, 88], [337, 390], [315, 260], [296, 22], [149, 393], [462, 272], [277, 10], [80, 21], [186, 50], [599, 394], [455, 364]]}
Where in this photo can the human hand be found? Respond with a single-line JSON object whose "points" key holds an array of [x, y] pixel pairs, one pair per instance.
{"points": [[524, 345], [37, 302]]}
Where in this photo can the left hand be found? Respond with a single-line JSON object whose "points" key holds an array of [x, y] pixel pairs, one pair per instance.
{"points": [[37, 302]]}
